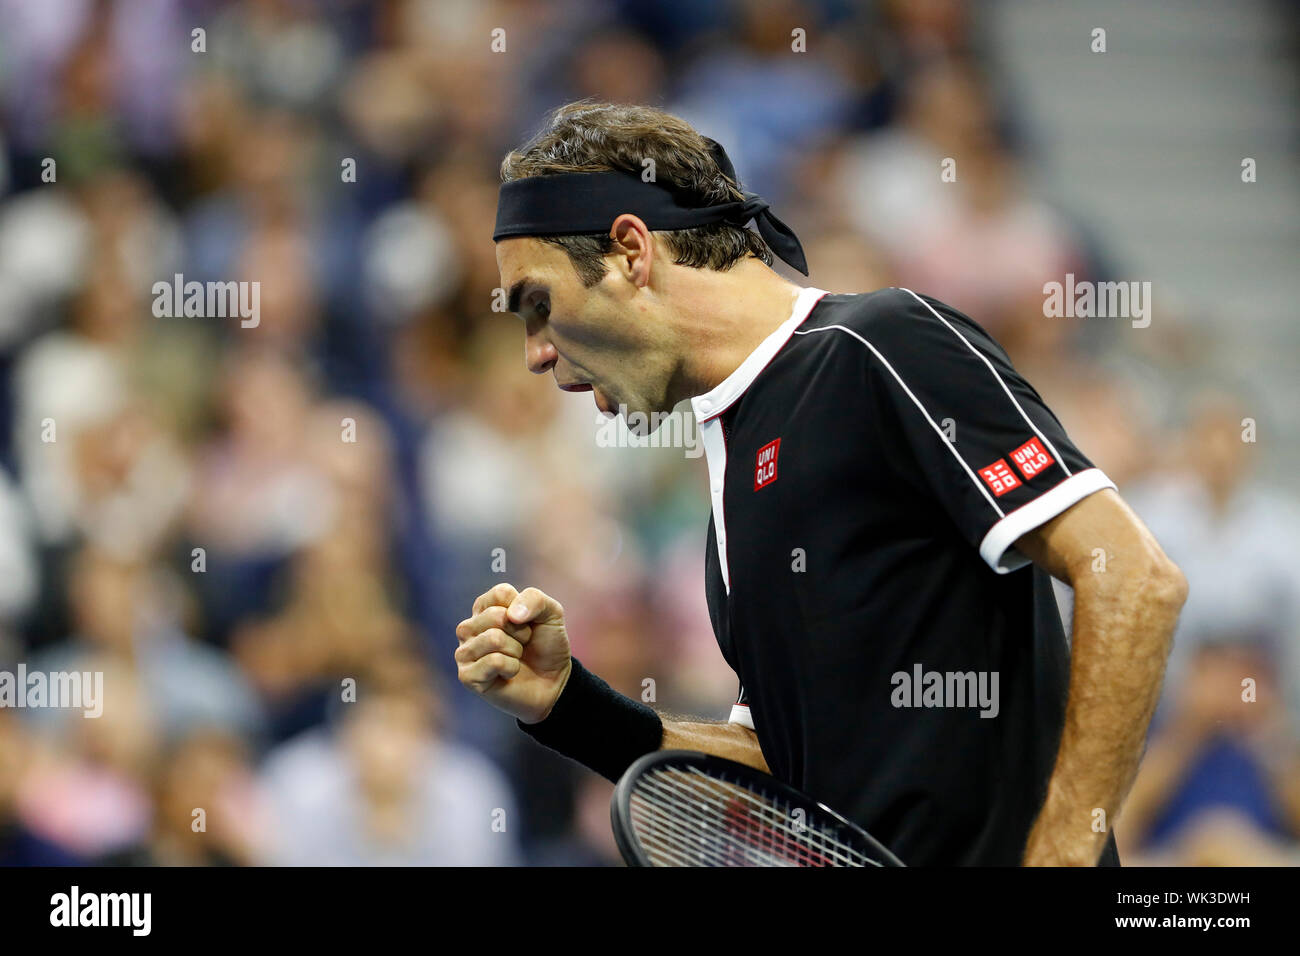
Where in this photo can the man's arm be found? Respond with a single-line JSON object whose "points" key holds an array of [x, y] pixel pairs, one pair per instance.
{"points": [[1127, 595], [733, 741], [514, 652]]}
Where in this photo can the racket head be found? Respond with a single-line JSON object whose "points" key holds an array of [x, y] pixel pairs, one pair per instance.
{"points": [[686, 808]]}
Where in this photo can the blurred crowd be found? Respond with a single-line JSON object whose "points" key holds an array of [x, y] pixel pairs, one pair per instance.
{"points": [[264, 537]]}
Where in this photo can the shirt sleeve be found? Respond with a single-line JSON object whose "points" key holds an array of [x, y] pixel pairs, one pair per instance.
{"points": [[740, 710], [973, 434]]}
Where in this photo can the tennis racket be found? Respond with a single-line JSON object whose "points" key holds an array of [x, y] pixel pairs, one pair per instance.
{"points": [[684, 808]]}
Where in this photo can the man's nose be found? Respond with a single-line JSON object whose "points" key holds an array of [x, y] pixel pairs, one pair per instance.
{"points": [[539, 354]]}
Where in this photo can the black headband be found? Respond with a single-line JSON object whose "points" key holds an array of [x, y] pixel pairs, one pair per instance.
{"points": [[566, 204]]}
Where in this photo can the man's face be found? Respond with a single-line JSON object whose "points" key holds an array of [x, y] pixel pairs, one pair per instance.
{"points": [[600, 339]]}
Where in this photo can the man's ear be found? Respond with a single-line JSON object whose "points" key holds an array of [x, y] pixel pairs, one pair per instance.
{"points": [[634, 245]]}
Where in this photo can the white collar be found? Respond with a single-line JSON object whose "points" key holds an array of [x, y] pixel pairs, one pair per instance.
{"points": [[718, 399]]}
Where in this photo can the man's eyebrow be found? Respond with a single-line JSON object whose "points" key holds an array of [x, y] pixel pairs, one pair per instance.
{"points": [[517, 292]]}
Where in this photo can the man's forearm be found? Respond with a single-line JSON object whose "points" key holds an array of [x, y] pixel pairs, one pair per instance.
{"points": [[1123, 629], [732, 741], [606, 731]]}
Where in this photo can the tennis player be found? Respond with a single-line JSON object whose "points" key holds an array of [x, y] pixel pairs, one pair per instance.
{"points": [[889, 501]]}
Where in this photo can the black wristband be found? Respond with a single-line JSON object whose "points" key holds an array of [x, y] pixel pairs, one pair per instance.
{"points": [[597, 726]]}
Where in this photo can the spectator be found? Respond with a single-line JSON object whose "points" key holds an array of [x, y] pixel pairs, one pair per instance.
{"points": [[1220, 785], [383, 788]]}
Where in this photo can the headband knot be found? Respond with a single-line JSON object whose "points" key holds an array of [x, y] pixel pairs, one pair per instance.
{"points": [[779, 237], [753, 206]]}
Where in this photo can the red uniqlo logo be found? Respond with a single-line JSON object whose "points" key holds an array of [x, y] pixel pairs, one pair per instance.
{"points": [[999, 477], [765, 464], [1031, 459]]}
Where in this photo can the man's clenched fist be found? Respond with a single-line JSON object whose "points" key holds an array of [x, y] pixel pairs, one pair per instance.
{"points": [[514, 651]]}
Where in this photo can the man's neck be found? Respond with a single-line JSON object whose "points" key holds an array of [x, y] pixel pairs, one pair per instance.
{"points": [[728, 316]]}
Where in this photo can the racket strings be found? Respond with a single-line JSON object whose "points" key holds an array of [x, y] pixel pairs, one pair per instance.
{"points": [[748, 839], [670, 843], [688, 818], [686, 841], [762, 817], [799, 841]]}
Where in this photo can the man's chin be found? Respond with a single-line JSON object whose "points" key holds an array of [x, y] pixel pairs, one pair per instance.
{"points": [[642, 424], [639, 423], [603, 403]]}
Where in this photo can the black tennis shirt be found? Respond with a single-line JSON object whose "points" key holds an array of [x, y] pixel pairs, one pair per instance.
{"points": [[871, 464]]}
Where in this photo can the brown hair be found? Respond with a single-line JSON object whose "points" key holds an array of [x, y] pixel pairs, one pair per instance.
{"points": [[586, 136]]}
